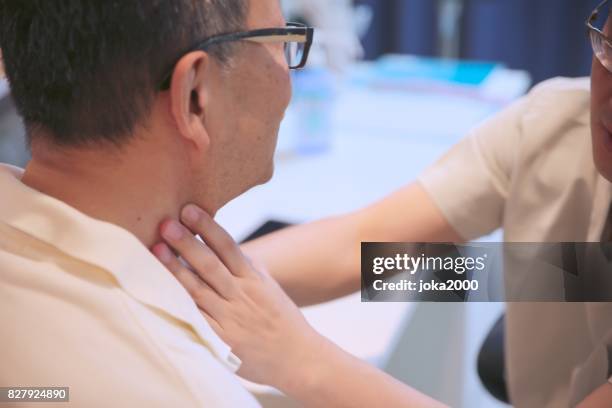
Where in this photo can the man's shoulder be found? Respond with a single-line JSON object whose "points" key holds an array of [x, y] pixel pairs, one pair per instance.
{"points": [[547, 111], [563, 85], [556, 113], [560, 100]]}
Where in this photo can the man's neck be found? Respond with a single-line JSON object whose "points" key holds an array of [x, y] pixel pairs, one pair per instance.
{"points": [[133, 191]]}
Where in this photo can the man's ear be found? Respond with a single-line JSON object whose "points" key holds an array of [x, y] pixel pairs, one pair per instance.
{"points": [[188, 97]]}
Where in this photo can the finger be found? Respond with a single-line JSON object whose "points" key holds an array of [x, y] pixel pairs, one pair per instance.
{"points": [[216, 326], [203, 295], [204, 261], [216, 238]]}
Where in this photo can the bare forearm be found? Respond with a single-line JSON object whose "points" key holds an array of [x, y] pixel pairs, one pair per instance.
{"points": [[335, 378], [321, 260], [313, 262]]}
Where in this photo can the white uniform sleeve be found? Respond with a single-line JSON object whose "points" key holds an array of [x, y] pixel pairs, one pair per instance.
{"points": [[470, 183]]}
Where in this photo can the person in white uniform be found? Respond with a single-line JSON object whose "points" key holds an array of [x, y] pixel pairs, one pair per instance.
{"points": [[132, 108], [541, 170]]}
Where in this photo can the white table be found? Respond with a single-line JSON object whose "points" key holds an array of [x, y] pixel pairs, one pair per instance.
{"points": [[381, 140]]}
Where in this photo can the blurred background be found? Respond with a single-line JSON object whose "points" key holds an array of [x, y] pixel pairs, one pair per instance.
{"points": [[546, 38]]}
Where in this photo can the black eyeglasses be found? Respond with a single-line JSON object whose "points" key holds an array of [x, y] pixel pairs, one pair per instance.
{"points": [[297, 38], [601, 43]]}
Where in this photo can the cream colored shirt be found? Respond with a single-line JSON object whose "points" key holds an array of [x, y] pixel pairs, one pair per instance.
{"points": [[530, 170], [83, 304]]}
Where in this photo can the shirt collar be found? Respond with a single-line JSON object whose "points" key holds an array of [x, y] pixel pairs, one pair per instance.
{"points": [[107, 246]]}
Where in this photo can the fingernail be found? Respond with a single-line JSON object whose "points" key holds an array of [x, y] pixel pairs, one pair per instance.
{"points": [[190, 213], [172, 231], [163, 254]]}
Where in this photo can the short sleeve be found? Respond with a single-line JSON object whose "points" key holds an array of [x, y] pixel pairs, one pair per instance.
{"points": [[470, 183]]}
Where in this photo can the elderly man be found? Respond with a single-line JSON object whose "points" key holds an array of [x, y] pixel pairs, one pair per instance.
{"points": [[541, 170], [133, 108]]}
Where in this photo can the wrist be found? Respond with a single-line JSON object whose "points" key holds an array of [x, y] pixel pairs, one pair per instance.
{"points": [[311, 372]]}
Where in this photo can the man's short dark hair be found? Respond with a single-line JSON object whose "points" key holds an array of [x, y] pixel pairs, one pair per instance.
{"points": [[86, 71]]}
